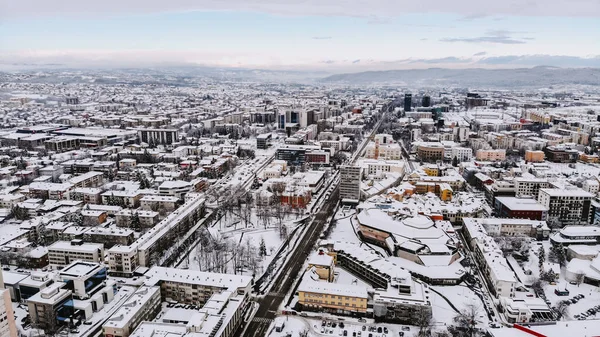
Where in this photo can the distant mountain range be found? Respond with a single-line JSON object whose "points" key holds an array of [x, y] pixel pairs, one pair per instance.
{"points": [[541, 76]]}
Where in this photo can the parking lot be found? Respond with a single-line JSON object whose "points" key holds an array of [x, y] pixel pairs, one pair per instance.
{"points": [[361, 329]]}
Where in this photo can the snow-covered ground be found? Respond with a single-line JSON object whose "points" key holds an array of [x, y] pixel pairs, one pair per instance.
{"points": [[295, 325], [461, 297]]}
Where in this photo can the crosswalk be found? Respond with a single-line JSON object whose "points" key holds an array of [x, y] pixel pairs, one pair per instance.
{"points": [[262, 320]]}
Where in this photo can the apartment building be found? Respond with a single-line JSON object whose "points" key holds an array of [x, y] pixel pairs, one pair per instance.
{"points": [[195, 287], [491, 155], [8, 326], [350, 177], [89, 179], [530, 187], [331, 297], [566, 206], [500, 278], [147, 219], [123, 260], [158, 136], [156, 202], [62, 253], [534, 156], [462, 154], [511, 227], [52, 191], [144, 305]]}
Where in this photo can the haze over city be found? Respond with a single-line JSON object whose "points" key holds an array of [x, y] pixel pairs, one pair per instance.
{"points": [[333, 36]]}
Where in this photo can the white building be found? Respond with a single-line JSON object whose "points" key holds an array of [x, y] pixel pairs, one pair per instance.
{"points": [[462, 153], [143, 305], [530, 186], [567, 206], [501, 279], [350, 177], [591, 186], [62, 253]]}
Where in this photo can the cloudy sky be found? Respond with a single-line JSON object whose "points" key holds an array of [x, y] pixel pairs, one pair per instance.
{"points": [[332, 35]]}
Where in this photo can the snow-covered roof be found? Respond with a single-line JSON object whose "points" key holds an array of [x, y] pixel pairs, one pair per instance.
{"points": [[310, 286], [122, 317], [225, 281]]}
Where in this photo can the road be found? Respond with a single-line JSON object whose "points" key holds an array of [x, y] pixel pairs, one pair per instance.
{"points": [[282, 284], [270, 303]]}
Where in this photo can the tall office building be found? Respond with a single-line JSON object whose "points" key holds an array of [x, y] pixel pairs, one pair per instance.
{"points": [[426, 101], [350, 184], [407, 102]]}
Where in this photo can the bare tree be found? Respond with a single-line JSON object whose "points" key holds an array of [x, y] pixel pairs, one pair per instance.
{"points": [[579, 279], [562, 309], [466, 321], [422, 319]]}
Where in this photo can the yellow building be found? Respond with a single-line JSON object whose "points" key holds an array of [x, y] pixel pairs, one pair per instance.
{"points": [[589, 158], [432, 170], [534, 156], [324, 265], [331, 297], [445, 192]]}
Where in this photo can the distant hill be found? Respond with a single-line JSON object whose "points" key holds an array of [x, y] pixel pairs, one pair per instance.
{"points": [[523, 77]]}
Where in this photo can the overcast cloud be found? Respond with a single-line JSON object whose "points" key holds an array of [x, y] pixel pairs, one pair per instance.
{"points": [[470, 9]]}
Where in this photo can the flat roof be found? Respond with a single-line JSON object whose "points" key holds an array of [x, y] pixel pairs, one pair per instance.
{"points": [[228, 281], [122, 317], [310, 286], [561, 192], [521, 204], [78, 269]]}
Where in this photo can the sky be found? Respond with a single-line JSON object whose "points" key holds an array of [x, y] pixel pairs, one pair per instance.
{"points": [[324, 35]]}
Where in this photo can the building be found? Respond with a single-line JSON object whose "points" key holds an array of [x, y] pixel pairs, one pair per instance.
{"points": [[62, 253], [566, 206], [577, 235], [8, 326], [534, 156], [51, 305], [462, 154], [144, 305], [195, 287], [263, 140], [591, 186], [496, 270], [350, 177], [323, 264], [491, 155], [85, 279], [512, 227], [175, 188], [522, 208], [82, 290], [407, 102], [158, 136], [334, 298], [147, 219], [156, 202], [430, 152], [530, 187], [89, 179], [123, 260]]}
